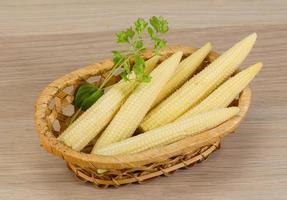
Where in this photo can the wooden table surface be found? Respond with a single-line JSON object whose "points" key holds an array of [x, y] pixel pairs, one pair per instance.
{"points": [[42, 40]]}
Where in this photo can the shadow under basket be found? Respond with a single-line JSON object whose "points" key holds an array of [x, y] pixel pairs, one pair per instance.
{"points": [[54, 109]]}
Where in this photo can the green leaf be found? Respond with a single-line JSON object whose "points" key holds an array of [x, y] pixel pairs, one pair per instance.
{"points": [[146, 78], [138, 44], [159, 24], [89, 101], [163, 28], [140, 25], [139, 67], [130, 32], [118, 57], [83, 92], [127, 67], [124, 76], [154, 22], [160, 43], [151, 32], [122, 37]]}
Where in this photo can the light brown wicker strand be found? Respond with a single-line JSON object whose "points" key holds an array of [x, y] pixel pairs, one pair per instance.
{"points": [[139, 179], [129, 168]]}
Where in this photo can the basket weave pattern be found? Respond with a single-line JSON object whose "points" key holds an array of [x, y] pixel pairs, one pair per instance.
{"points": [[54, 110]]}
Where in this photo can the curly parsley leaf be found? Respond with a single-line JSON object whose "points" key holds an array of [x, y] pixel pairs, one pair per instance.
{"points": [[87, 94], [140, 25]]}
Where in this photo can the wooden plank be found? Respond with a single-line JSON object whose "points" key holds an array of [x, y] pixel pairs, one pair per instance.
{"points": [[56, 37]]}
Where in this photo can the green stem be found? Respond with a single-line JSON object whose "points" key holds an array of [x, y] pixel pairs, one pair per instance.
{"points": [[117, 65], [74, 117], [109, 75]]}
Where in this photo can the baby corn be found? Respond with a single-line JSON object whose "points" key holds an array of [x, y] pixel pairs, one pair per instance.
{"points": [[198, 87], [139, 102], [184, 71], [170, 132], [96, 118], [226, 93]]}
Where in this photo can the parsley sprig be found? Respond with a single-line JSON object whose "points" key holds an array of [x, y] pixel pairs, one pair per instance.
{"points": [[134, 38], [129, 60]]}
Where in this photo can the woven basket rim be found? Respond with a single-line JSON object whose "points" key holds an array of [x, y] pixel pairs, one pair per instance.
{"points": [[189, 144]]}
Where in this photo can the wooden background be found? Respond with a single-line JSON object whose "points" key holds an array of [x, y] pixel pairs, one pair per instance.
{"points": [[41, 40]]}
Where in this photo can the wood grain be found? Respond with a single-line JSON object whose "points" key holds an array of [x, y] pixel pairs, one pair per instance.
{"points": [[42, 40]]}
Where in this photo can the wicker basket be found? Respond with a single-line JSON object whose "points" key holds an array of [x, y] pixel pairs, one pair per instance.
{"points": [[53, 112]]}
